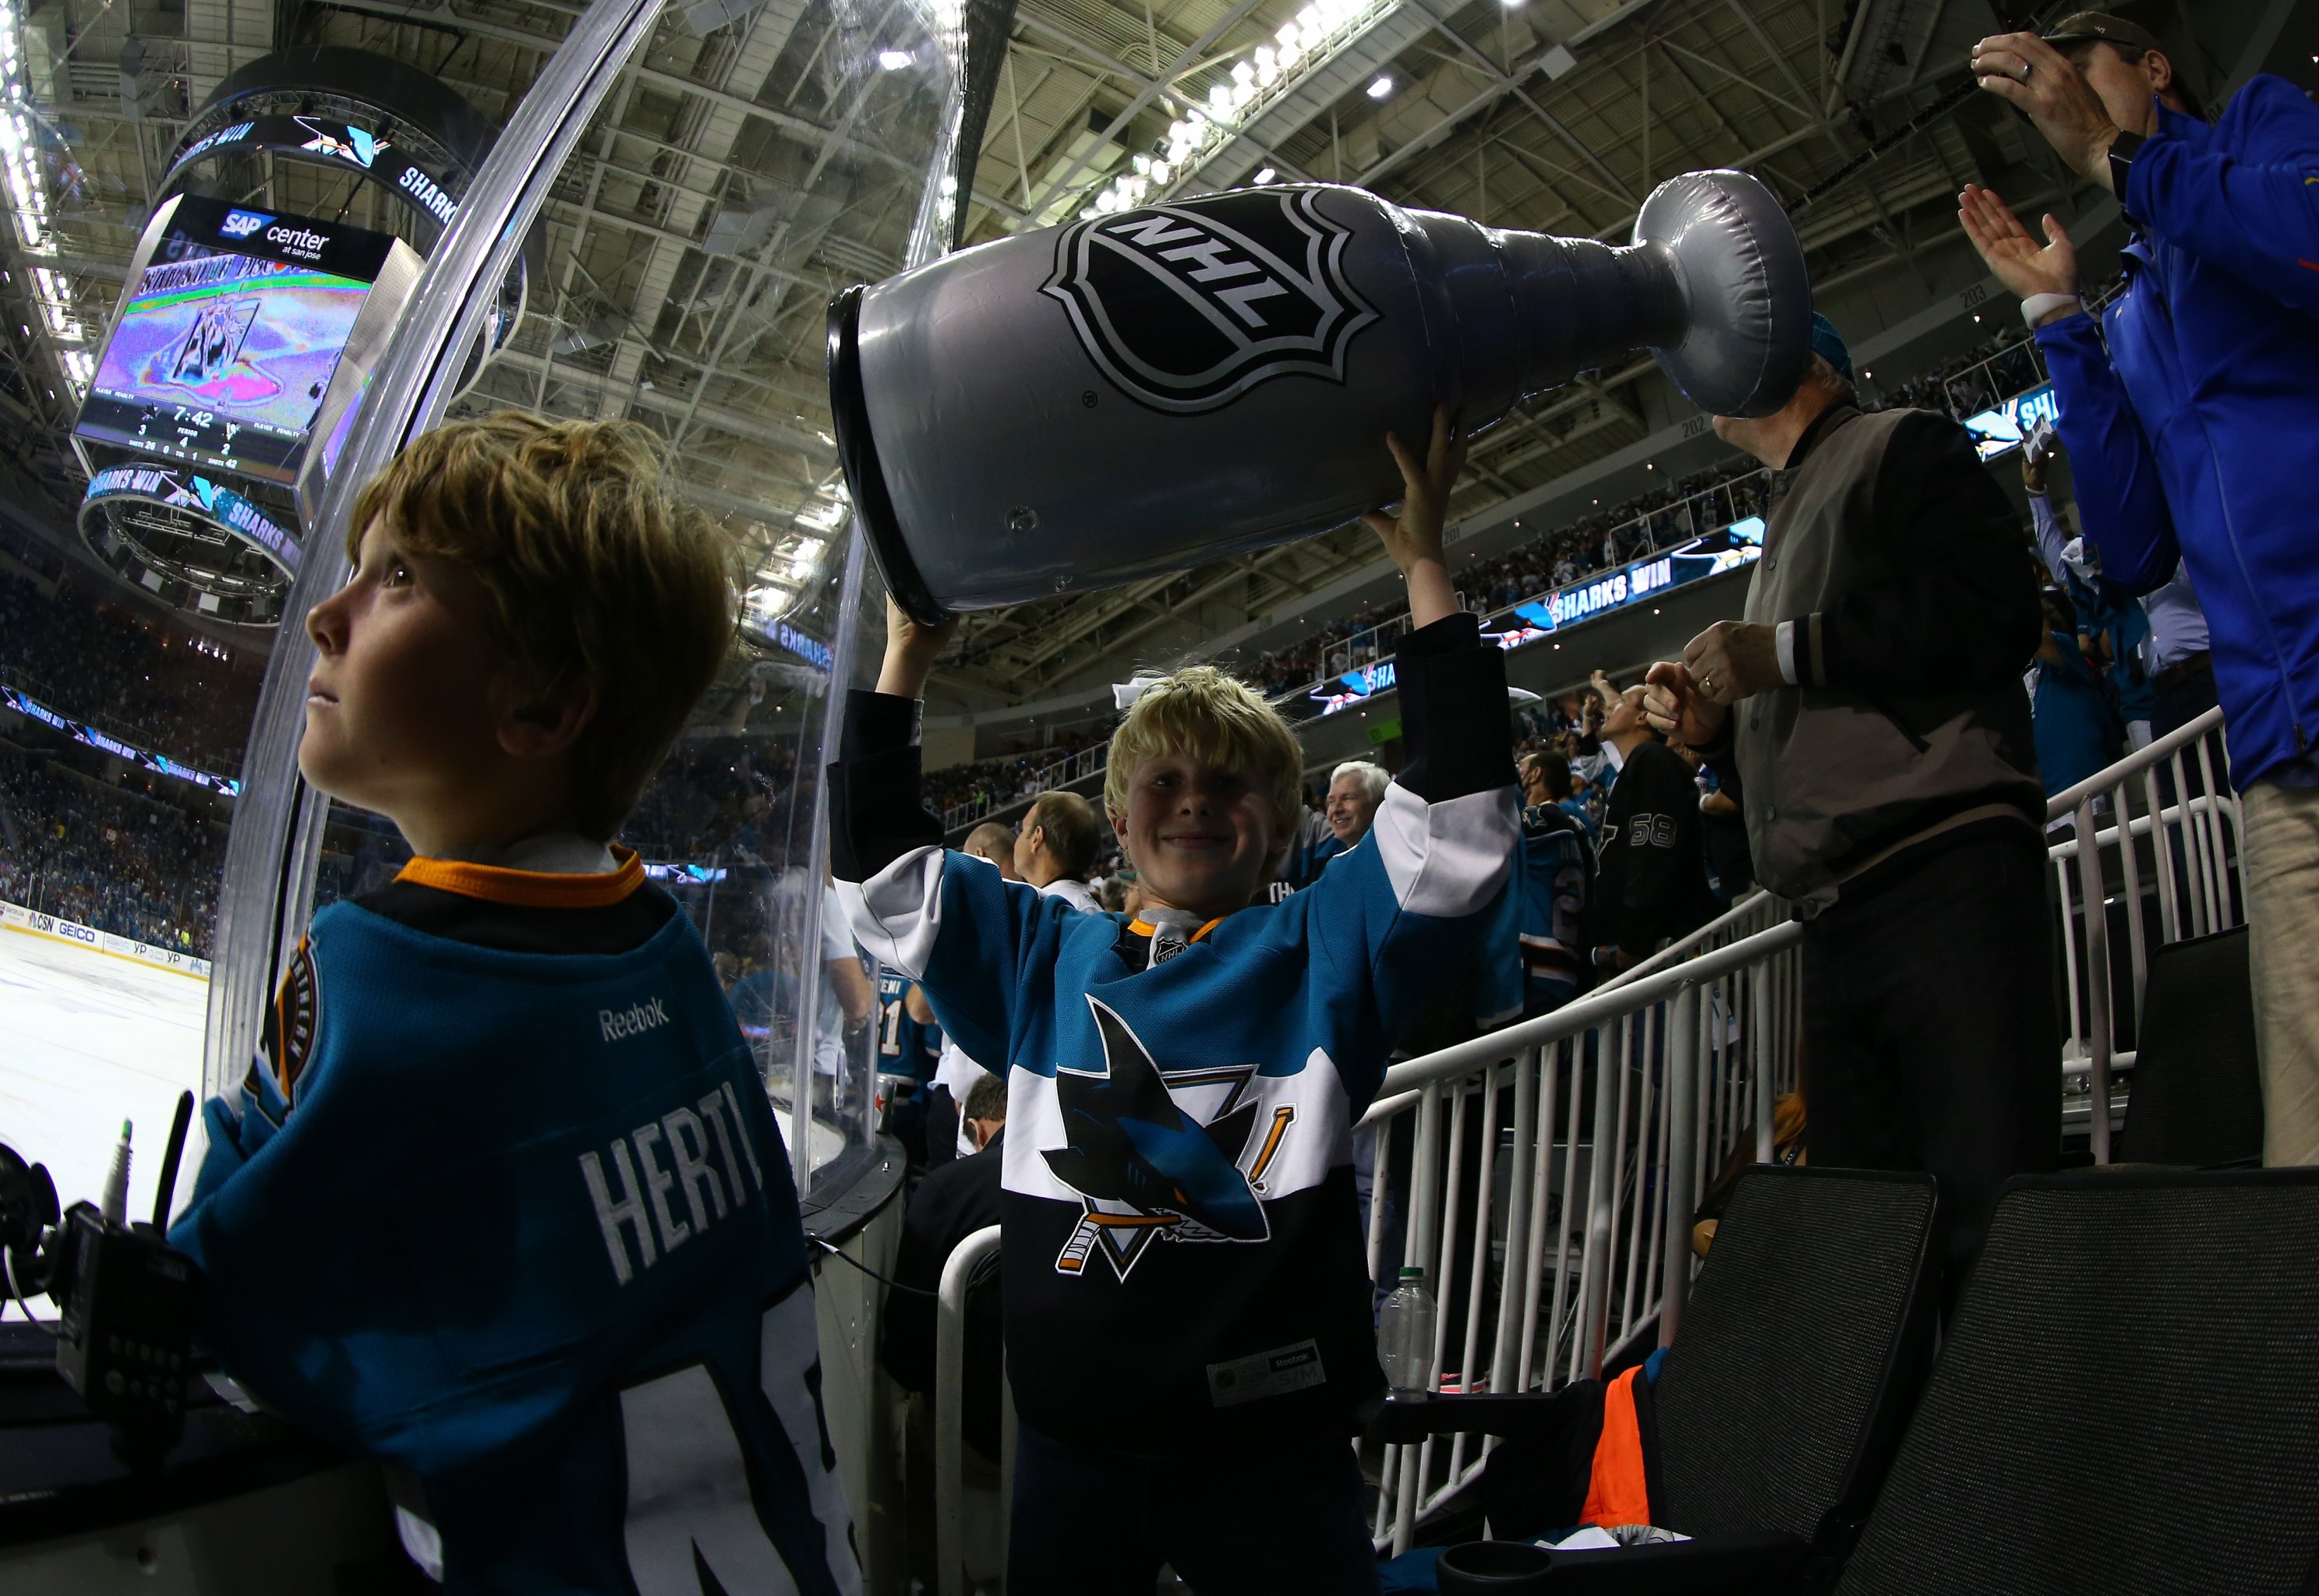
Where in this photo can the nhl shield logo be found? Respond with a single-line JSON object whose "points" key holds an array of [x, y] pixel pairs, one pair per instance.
{"points": [[1187, 306]]}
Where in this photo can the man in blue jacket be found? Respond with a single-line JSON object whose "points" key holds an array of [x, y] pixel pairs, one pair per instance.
{"points": [[2190, 414]]}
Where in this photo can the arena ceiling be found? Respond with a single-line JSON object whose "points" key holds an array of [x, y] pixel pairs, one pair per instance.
{"points": [[755, 162]]}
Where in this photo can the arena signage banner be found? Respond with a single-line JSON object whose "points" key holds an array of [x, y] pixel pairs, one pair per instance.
{"points": [[47, 924], [81, 732], [1995, 432], [214, 502], [1527, 622], [329, 140]]}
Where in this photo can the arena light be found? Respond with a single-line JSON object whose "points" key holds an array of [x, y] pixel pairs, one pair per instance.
{"points": [[28, 198], [1252, 86], [1265, 176], [1382, 88], [893, 60]]}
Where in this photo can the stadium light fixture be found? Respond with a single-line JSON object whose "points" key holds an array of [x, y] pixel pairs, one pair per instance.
{"points": [[1265, 176], [1382, 88], [893, 60]]}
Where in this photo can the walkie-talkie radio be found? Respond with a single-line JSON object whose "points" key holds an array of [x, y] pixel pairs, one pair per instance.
{"points": [[130, 1301]]}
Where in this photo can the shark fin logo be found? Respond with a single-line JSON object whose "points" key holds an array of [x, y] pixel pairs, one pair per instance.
{"points": [[346, 143], [1188, 305], [1144, 1168]]}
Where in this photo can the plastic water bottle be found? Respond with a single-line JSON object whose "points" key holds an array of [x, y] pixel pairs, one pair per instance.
{"points": [[1405, 1334]]}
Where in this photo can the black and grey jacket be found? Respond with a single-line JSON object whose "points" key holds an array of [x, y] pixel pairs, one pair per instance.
{"points": [[1902, 565]]}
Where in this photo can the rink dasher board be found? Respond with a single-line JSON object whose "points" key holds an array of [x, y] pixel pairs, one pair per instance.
{"points": [[33, 923]]}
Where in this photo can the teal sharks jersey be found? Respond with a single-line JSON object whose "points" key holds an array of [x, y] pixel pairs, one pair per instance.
{"points": [[905, 1046], [1185, 1263], [504, 1204]]}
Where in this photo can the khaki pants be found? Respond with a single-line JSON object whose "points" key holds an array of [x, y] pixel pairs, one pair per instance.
{"points": [[2281, 871]]}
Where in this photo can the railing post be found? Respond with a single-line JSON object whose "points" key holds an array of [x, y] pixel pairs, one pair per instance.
{"points": [[2098, 985], [950, 1410], [1760, 1049], [1683, 1133]]}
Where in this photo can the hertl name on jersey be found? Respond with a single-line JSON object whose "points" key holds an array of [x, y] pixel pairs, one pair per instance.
{"points": [[633, 1203]]}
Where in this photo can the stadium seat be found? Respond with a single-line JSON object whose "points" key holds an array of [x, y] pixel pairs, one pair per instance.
{"points": [[2197, 1097], [2128, 1400], [1806, 1336]]}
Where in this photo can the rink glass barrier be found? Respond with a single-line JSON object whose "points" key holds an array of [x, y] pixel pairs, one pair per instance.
{"points": [[791, 121], [1546, 1175]]}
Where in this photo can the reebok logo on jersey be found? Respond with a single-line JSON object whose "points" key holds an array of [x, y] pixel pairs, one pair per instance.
{"points": [[634, 1020], [687, 1155]]}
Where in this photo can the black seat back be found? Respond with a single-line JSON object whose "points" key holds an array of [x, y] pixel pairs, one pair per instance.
{"points": [[2198, 1096], [2128, 1401], [1804, 1339]]}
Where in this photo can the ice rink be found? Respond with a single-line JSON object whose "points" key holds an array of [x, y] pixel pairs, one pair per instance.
{"points": [[88, 1039]]}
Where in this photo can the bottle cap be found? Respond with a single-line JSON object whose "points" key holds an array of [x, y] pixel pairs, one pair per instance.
{"points": [[1411, 1272]]}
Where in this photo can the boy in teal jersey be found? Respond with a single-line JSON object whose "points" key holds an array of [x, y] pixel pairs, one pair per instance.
{"points": [[503, 1202], [1186, 1296]]}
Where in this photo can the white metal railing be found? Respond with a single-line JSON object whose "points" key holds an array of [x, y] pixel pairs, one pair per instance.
{"points": [[2174, 869], [954, 1546], [1613, 1112], [1545, 1176], [1688, 1050]]}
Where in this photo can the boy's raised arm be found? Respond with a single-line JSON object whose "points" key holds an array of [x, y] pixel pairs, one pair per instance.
{"points": [[1444, 836], [895, 881]]}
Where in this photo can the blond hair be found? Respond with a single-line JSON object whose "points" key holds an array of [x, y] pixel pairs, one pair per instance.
{"points": [[596, 573], [1218, 720]]}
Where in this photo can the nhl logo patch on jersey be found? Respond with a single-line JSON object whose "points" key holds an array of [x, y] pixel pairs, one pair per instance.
{"points": [[1188, 305]]}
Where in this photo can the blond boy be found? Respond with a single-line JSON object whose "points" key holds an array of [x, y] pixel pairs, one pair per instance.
{"points": [[504, 1205], [1187, 1295]]}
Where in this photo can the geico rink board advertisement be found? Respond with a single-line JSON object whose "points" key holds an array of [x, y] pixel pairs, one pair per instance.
{"points": [[20, 918]]}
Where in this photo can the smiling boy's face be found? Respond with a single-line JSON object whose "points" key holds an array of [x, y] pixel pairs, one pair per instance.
{"points": [[1199, 835]]}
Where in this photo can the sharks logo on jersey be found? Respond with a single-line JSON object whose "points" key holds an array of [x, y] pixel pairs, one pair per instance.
{"points": [[1143, 1166], [1187, 306]]}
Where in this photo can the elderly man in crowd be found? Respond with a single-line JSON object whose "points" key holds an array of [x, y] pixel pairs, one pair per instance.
{"points": [[2190, 413], [1869, 707], [1355, 789]]}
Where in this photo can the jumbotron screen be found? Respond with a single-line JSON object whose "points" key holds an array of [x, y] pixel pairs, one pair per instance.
{"points": [[224, 346]]}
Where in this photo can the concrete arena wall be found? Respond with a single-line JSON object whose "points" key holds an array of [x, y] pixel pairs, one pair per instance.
{"points": [[33, 923]]}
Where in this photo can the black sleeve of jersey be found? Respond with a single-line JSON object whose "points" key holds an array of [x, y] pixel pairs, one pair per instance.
{"points": [[1964, 611], [876, 813], [1453, 711], [1661, 839]]}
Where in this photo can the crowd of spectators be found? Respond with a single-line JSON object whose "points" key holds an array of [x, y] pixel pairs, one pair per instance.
{"points": [[961, 792], [134, 864], [146, 683], [1605, 539]]}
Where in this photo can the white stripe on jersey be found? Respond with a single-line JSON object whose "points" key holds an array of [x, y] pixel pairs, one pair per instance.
{"points": [[1316, 1137], [896, 913], [1447, 859]]}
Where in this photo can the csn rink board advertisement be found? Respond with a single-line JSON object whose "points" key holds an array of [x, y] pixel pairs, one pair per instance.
{"points": [[224, 348]]}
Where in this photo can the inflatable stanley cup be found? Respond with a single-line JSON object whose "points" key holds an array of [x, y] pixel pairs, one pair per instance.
{"points": [[1137, 392]]}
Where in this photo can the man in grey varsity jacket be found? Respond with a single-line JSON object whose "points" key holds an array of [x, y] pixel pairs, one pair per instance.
{"points": [[1869, 711]]}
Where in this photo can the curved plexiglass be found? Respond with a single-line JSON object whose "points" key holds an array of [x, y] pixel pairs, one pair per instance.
{"points": [[682, 192]]}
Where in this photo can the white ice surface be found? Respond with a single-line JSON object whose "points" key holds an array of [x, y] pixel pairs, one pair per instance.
{"points": [[88, 1040]]}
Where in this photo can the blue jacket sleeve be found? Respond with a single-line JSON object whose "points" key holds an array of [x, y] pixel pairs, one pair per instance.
{"points": [[2120, 496], [2244, 197]]}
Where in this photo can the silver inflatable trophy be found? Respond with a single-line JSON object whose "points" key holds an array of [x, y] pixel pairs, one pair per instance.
{"points": [[1145, 391]]}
